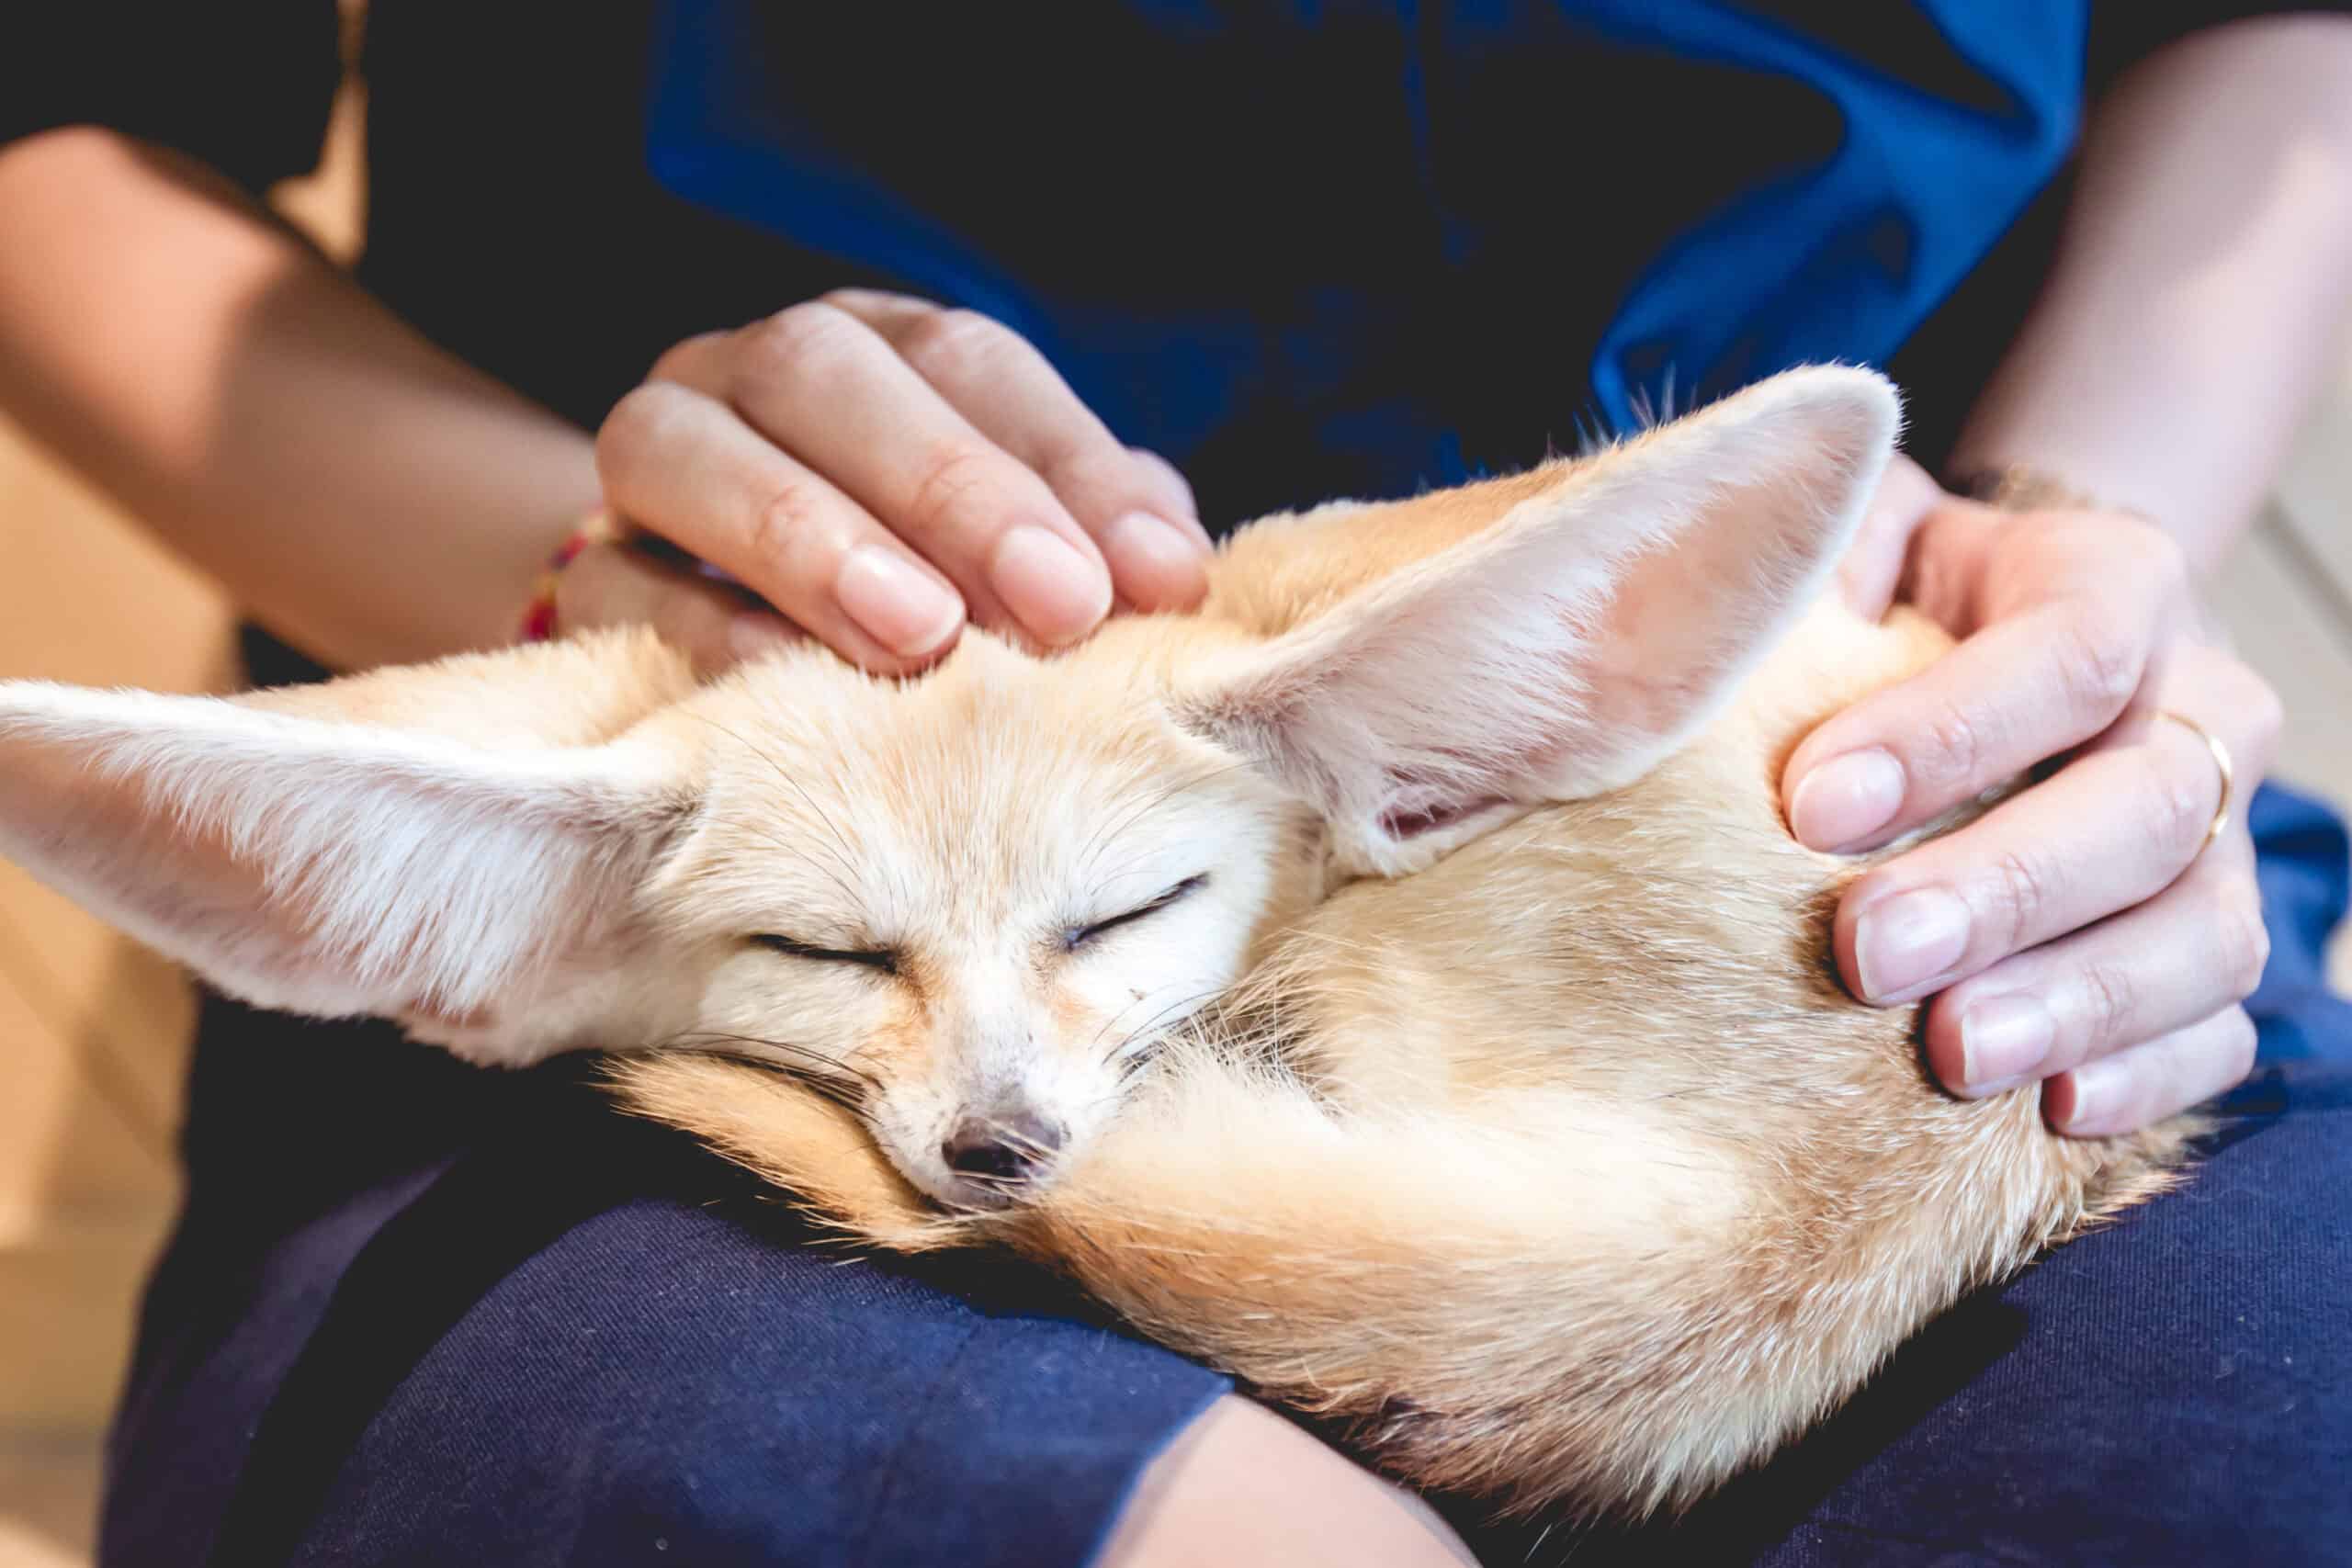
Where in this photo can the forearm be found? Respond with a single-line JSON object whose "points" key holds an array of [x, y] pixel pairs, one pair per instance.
{"points": [[363, 492], [2201, 285]]}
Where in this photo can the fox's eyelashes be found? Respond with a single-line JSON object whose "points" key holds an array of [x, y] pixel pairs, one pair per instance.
{"points": [[884, 960], [881, 958], [1079, 936]]}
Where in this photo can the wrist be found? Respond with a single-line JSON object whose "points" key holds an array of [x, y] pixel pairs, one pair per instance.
{"points": [[2022, 487], [538, 621]]}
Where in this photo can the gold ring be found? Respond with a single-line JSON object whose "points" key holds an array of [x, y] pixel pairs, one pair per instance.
{"points": [[2221, 761]]}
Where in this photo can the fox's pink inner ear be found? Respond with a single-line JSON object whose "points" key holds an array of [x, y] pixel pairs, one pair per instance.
{"points": [[326, 867], [1682, 621], [1568, 648]]}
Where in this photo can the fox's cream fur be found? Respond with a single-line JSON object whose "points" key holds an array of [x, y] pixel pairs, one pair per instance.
{"points": [[1395, 976]]}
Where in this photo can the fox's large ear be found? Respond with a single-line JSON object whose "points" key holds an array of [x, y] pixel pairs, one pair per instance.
{"points": [[1569, 645], [434, 845]]}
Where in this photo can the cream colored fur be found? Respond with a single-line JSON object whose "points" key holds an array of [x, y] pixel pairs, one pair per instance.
{"points": [[1483, 1085]]}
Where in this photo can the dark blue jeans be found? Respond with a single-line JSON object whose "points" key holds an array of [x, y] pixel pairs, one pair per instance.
{"points": [[415, 1313]]}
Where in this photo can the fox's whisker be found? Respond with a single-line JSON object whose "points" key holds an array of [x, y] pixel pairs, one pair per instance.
{"points": [[1126, 1042], [809, 1067], [842, 853], [1110, 831]]}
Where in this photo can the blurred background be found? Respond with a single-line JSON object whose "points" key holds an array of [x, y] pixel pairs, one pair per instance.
{"points": [[93, 1031]]}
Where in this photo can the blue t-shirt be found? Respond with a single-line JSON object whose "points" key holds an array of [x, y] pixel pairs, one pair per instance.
{"points": [[1397, 230], [1304, 248]]}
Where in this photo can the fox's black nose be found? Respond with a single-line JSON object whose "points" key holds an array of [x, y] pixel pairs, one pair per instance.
{"points": [[1007, 1149]]}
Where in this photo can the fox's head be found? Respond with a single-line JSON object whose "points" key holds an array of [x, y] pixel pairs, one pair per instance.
{"points": [[966, 904]]}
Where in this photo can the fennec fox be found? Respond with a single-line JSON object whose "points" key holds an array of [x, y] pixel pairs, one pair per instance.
{"points": [[1393, 984]]}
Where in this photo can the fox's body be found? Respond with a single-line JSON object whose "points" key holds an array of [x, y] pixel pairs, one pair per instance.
{"points": [[1393, 984], [1561, 1172]]}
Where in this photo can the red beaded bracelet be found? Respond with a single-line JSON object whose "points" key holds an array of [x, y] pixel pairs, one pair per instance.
{"points": [[538, 615]]}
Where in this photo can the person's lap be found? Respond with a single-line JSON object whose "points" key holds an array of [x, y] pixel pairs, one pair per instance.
{"points": [[2176, 1388], [490, 1321], [568, 1338]]}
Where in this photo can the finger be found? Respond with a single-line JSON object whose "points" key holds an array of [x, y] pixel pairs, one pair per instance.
{"points": [[698, 361], [610, 584], [687, 468], [827, 388], [2110, 831], [2210, 684], [1873, 566], [1172, 479], [1144, 524], [2016, 693], [2194, 949], [2128, 1090]]}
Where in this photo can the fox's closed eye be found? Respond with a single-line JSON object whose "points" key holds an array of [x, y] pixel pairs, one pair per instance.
{"points": [[880, 958], [1080, 936]]}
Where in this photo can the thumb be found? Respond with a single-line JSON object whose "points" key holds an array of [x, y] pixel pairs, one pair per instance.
{"points": [[716, 624]]}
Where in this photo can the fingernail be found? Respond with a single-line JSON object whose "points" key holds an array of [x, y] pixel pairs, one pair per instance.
{"points": [[1909, 940], [2002, 1041], [1160, 564], [894, 604], [2092, 1098], [750, 637], [1845, 800], [1196, 530], [1185, 510], [1055, 592]]}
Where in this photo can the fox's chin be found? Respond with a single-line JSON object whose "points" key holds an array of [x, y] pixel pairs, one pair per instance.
{"points": [[954, 1192], [962, 1195], [972, 1198]]}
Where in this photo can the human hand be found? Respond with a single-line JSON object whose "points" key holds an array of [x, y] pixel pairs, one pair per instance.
{"points": [[2084, 931], [878, 469]]}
